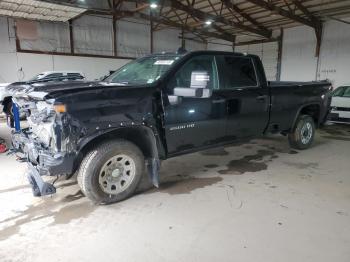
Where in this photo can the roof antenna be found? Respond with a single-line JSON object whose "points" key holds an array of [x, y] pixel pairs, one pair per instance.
{"points": [[181, 51]]}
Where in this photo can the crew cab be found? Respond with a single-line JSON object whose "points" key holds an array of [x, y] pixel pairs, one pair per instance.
{"points": [[154, 108]]}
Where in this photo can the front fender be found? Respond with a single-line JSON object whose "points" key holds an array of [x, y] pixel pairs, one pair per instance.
{"points": [[144, 137]]}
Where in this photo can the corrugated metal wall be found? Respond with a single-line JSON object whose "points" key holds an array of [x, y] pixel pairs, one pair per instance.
{"points": [[298, 56]]}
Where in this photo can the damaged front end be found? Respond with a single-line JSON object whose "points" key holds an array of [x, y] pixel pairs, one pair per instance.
{"points": [[40, 144]]}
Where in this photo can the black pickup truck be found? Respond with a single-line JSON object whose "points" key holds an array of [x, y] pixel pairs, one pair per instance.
{"points": [[154, 108]]}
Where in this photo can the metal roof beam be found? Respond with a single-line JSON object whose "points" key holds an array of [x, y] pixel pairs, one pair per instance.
{"points": [[302, 8], [205, 16], [224, 36], [281, 12], [235, 8]]}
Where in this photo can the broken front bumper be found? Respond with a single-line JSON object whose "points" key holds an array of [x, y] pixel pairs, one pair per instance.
{"points": [[39, 186], [41, 162]]}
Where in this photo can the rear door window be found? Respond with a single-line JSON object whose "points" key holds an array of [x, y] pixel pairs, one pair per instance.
{"points": [[236, 72]]}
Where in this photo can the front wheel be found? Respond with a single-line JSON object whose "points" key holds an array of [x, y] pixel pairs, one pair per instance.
{"points": [[111, 172], [303, 133]]}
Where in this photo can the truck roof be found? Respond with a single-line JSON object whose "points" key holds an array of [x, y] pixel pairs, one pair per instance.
{"points": [[202, 52]]}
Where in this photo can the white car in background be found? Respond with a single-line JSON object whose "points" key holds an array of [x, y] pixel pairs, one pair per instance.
{"points": [[57, 76], [340, 106]]}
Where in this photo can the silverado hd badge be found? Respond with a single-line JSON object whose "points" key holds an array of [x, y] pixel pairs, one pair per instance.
{"points": [[181, 127]]}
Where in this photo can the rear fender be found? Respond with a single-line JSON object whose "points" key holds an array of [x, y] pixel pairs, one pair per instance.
{"points": [[301, 109]]}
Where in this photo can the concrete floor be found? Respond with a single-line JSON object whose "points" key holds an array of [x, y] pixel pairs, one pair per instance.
{"points": [[256, 202]]}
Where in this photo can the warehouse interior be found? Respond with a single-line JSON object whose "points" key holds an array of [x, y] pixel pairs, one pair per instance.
{"points": [[260, 200]]}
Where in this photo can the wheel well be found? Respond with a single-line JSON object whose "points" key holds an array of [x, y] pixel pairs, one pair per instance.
{"points": [[313, 111], [142, 137]]}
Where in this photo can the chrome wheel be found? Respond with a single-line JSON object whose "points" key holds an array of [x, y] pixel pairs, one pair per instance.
{"points": [[306, 133], [117, 174]]}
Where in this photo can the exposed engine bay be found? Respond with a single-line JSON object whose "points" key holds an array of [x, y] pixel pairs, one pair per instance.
{"points": [[45, 141]]}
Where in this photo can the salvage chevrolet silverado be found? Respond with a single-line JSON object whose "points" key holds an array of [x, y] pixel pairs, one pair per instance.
{"points": [[154, 108]]}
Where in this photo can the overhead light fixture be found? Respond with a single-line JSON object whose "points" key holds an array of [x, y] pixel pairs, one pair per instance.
{"points": [[208, 22], [153, 5]]}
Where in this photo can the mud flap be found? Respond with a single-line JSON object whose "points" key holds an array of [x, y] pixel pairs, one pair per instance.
{"points": [[153, 171], [39, 186]]}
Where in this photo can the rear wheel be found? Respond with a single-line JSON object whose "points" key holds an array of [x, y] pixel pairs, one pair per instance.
{"points": [[303, 133], [111, 172]]}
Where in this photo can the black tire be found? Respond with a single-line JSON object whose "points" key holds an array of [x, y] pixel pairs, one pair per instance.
{"points": [[303, 133], [90, 171]]}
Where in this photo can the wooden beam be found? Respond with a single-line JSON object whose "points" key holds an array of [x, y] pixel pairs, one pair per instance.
{"points": [[140, 8], [192, 39], [282, 12], [71, 36], [118, 14], [253, 42], [151, 32], [338, 20], [220, 19], [279, 58], [114, 35], [306, 12], [234, 44], [235, 8], [318, 32], [114, 29], [18, 43], [183, 42]]}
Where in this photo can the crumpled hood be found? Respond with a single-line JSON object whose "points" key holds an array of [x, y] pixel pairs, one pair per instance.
{"points": [[340, 101], [56, 89], [48, 86]]}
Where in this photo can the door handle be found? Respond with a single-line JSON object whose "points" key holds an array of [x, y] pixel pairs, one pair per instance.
{"points": [[261, 98], [218, 101]]}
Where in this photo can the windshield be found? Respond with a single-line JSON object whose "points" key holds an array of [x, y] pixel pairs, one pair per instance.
{"points": [[343, 91], [143, 71]]}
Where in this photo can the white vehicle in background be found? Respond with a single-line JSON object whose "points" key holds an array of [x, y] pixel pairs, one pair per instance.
{"points": [[3, 94], [57, 76], [340, 106]]}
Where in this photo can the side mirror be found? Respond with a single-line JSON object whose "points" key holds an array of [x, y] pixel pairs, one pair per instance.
{"points": [[192, 92]]}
